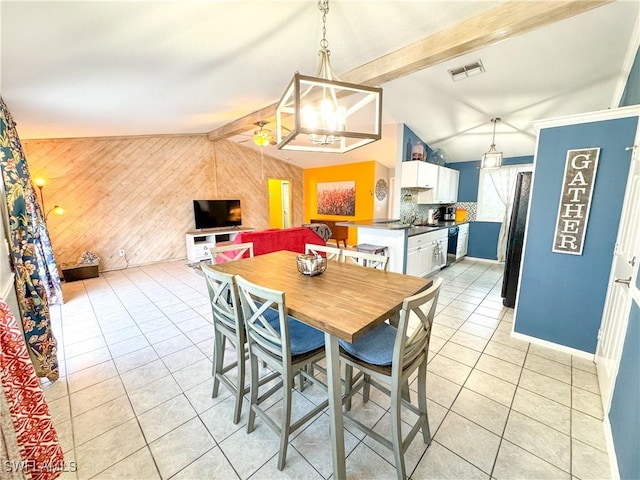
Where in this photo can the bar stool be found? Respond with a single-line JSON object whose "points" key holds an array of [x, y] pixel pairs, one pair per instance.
{"points": [[373, 249]]}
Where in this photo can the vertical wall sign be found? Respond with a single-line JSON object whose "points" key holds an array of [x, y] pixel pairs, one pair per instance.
{"points": [[575, 201]]}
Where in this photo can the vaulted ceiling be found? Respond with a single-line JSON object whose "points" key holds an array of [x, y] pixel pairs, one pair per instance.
{"points": [[96, 68]]}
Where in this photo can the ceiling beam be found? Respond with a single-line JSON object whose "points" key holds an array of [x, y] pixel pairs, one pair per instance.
{"points": [[500, 23]]}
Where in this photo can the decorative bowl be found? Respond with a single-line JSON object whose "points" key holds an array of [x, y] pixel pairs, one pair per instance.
{"points": [[311, 264]]}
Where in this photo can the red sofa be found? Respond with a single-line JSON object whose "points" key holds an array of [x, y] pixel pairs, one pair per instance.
{"points": [[266, 241]]}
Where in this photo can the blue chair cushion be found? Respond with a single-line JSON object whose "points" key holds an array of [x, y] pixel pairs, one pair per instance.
{"points": [[303, 338], [376, 347]]}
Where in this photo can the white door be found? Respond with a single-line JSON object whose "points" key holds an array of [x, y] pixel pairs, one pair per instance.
{"points": [[622, 287], [286, 205]]}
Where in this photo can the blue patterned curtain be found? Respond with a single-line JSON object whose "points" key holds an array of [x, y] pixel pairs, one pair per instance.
{"points": [[37, 279]]}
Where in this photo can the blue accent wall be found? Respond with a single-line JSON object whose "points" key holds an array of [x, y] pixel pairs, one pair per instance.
{"points": [[624, 415], [468, 180], [561, 297], [483, 236], [631, 95], [483, 240]]}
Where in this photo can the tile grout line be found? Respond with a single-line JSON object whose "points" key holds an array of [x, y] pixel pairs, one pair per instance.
{"points": [[115, 288], [517, 385], [513, 399]]}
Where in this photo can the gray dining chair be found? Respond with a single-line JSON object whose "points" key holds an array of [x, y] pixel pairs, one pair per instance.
{"points": [[227, 325], [387, 357], [287, 346]]}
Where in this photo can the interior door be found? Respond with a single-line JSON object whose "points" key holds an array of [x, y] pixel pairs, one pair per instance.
{"points": [[286, 205], [622, 286]]}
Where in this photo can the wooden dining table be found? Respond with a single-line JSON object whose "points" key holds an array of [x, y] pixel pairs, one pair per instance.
{"points": [[345, 302]]}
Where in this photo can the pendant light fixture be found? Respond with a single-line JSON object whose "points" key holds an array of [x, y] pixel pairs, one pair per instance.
{"points": [[493, 158], [324, 114]]}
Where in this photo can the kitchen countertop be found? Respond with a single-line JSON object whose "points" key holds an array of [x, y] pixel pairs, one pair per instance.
{"points": [[395, 224]]}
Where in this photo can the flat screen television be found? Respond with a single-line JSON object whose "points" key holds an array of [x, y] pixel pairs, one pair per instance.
{"points": [[217, 213]]}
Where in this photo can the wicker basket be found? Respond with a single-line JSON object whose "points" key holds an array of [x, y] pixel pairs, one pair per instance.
{"points": [[311, 264]]}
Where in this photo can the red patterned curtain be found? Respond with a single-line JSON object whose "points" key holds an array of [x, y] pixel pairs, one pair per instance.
{"points": [[41, 456]]}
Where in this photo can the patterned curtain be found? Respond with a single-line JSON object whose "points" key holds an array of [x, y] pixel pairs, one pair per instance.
{"points": [[37, 279]]}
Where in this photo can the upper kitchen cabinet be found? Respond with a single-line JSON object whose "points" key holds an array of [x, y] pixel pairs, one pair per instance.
{"points": [[419, 175], [440, 184], [447, 185]]}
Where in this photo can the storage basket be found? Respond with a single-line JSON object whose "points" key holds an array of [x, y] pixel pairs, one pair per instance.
{"points": [[311, 264]]}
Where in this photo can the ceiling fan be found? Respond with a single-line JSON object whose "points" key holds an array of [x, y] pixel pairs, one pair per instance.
{"points": [[261, 136]]}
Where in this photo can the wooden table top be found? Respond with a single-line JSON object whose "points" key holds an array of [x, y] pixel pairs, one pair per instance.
{"points": [[346, 300]]}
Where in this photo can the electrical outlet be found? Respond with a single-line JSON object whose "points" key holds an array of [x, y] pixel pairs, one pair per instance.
{"points": [[121, 253]]}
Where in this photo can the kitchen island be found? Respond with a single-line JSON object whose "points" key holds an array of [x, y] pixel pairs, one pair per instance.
{"points": [[414, 250]]}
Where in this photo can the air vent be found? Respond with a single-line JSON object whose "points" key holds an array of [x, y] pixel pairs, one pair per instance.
{"points": [[466, 71]]}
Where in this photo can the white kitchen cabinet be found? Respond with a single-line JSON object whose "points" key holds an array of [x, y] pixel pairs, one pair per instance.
{"points": [[427, 252], [418, 256], [440, 253], [436, 184], [419, 175], [463, 241], [447, 185]]}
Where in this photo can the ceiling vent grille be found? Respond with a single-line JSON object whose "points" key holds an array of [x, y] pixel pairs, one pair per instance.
{"points": [[466, 71]]}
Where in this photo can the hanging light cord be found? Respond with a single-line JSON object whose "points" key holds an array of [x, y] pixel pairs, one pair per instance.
{"points": [[493, 139]]}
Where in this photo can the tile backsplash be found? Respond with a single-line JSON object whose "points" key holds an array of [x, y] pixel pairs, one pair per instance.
{"points": [[410, 209]]}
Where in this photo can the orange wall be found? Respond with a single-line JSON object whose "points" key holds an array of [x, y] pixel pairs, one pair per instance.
{"points": [[364, 175]]}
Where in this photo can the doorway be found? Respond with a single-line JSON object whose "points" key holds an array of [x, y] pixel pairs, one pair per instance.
{"points": [[280, 215], [623, 286]]}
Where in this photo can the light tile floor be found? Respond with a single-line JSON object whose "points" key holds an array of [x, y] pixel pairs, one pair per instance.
{"points": [[134, 396]]}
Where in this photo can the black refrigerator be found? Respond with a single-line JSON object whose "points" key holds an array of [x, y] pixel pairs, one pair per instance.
{"points": [[515, 239]]}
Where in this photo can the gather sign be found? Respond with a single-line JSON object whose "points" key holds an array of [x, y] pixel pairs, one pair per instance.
{"points": [[575, 200]]}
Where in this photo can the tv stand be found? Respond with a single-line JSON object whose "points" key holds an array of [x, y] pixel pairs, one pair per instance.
{"points": [[198, 241]]}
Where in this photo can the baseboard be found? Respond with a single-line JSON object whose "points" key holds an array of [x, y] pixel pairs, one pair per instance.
{"points": [[554, 346], [611, 450], [145, 264], [485, 260]]}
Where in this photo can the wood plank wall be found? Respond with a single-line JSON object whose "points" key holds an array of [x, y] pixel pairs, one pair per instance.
{"points": [[135, 193]]}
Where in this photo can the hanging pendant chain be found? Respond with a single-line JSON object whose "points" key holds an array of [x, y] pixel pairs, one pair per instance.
{"points": [[323, 6], [493, 139], [324, 67]]}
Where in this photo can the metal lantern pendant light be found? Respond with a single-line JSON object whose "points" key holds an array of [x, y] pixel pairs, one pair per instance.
{"points": [[493, 158], [324, 114]]}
